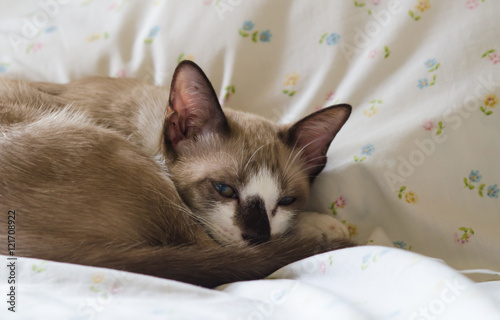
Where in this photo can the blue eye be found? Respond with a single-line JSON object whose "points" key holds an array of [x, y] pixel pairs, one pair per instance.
{"points": [[224, 190], [286, 201]]}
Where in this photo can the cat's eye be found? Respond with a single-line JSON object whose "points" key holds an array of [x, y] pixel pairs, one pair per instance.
{"points": [[286, 201], [224, 189]]}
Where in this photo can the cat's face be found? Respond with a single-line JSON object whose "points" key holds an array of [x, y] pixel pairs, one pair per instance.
{"points": [[243, 176], [246, 186]]}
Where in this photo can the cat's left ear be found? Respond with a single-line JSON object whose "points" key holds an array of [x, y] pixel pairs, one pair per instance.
{"points": [[313, 134], [194, 109]]}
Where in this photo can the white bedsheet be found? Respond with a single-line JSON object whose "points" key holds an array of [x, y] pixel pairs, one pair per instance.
{"points": [[415, 167], [367, 282]]}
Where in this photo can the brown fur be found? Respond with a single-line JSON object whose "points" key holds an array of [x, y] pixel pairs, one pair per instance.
{"points": [[84, 166]]}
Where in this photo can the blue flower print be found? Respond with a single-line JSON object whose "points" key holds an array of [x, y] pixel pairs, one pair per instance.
{"points": [[248, 25], [332, 39], [366, 258], [422, 83], [154, 31], [430, 63], [400, 244], [3, 67], [368, 149], [474, 176], [493, 191], [265, 36], [50, 29]]}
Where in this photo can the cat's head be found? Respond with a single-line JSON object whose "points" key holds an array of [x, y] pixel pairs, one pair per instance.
{"points": [[244, 177]]}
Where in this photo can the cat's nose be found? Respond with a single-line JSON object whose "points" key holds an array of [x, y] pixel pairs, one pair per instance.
{"points": [[255, 237], [253, 221]]}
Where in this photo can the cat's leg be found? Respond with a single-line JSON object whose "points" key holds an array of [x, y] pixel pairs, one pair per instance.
{"points": [[322, 226]]}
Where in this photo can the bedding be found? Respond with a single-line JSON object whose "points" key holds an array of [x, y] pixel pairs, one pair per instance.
{"points": [[369, 282], [414, 171]]}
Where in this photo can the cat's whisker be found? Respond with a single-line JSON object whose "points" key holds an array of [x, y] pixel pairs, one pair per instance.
{"points": [[302, 150], [242, 150], [296, 177], [289, 156], [311, 160], [304, 169], [253, 154], [236, 167]]}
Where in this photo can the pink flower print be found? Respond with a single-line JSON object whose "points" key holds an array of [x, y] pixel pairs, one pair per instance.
{"points": [[115, 289], [337, 204], [330, 96], [373, 53], [471, 4], [122, 73], [495, 58], [428, 125], [461, 240], [340, 202], [37, 47], [322, 267], [375, 2], [465, 238]]}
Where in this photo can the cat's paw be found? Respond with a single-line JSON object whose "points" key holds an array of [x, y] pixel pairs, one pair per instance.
{"points": [[320, 226]]}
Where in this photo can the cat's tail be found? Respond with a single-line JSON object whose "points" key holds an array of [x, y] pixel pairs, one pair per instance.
{"points": [[204, 266]]}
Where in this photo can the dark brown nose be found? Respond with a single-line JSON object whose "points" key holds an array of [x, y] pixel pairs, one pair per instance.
{"points": [[253, 221]]}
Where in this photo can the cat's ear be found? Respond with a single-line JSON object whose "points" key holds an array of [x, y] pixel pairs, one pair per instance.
{"points": [[194, 109], [313, 134]]}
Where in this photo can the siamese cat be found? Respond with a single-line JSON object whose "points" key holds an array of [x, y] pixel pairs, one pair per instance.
{"points": [[121, 174]]}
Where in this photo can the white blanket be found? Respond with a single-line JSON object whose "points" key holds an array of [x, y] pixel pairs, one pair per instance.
{"points": [[360, 283], [415, 167]]}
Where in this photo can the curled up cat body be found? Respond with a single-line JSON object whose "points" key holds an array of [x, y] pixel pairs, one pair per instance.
{"points": [[121, 174]]}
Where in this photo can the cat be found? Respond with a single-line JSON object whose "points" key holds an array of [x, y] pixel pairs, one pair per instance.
{"points": [[122, 174]]}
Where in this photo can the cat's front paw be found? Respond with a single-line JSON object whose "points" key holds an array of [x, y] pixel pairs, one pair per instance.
{"points": [[320, 226]]}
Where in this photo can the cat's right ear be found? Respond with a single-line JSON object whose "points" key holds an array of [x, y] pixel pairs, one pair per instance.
{"points": [[193, 109]]}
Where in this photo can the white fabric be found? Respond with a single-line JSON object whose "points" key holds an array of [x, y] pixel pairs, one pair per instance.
{"points": [[360, 283], [423, 78]]}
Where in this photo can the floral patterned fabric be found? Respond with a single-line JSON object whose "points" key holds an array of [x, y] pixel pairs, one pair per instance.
{"points": [[368, 282], [416, 165]]}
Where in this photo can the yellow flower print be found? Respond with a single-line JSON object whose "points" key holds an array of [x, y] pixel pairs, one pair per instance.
{"points": [[183, 56], [351, 228], [370, 112], [373, 109], [290, 81], [93, 37], [98, 278], [491, 100], [292, 78], [423, 5], [411, 197]]}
